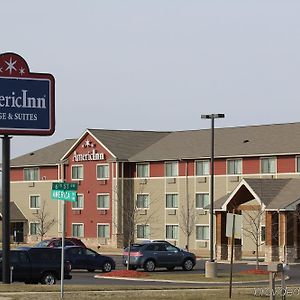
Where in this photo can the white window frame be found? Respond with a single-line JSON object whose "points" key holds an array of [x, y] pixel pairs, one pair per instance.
{"points": [[177, 200], [79, 224], [268, 171], [201, 193], [78, 208], [39, 201], [77, 166], [202, 161], [148, 200], [145, 230], [208, 232], [103, 194], [174, 168], [297, 164], [237, 166], [172, 238], [108, 171], [106, 225], [32, 177], [147, 165], [36, 224]]}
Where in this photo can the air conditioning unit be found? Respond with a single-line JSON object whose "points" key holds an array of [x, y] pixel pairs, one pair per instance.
{"points": [[202, 179], [202, 211], [143, 181], [102, 181], [76, 211], [234, 178], [31, 184], [102, 241], [35, 211], [102, 211], [171, 180], [171, 211], [143, 212], [202, 244]]}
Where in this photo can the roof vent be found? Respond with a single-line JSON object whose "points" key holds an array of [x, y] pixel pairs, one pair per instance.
{"points": [[246, 141]]}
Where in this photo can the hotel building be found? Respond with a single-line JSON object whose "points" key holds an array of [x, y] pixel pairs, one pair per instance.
{"points": [[155, 185]]}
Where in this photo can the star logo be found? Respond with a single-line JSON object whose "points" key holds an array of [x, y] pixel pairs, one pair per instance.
{"points": [[22, 71], [10, 65], [87, 144]]}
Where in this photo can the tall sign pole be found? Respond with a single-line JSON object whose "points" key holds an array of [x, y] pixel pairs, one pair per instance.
{"points": [[27, 107], [5, 209]]}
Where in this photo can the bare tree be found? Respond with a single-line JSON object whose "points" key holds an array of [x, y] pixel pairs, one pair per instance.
{"points": [[44, 221], [252, 224], [135, 211], [187, 220]]}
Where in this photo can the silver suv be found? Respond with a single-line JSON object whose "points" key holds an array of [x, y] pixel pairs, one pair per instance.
{"points": [[158, 254]]}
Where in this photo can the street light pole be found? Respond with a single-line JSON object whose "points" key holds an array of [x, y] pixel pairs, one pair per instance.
{"points": [[212, 174]]}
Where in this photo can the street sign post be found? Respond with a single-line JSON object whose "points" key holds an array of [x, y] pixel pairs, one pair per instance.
{"points": [[65, 191]]}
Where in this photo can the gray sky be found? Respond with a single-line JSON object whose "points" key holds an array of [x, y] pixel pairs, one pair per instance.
{"points": [[159, 64]]}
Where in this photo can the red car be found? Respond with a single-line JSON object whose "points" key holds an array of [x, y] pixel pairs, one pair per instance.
{"points": [[56, 242]]}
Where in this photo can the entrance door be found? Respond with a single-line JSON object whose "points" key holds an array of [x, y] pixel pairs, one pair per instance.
{"points": [[18, 232]]}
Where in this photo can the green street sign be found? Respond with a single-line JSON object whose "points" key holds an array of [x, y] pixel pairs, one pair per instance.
{"points": [[63, 186], [64, 195]]}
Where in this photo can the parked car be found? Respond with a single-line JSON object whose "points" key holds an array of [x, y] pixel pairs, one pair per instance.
{"points": [[158, 254], [88, 259], [34, 265], [56, 242]]}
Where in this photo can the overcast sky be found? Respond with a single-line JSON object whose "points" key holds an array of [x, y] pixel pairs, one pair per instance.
{"points": [[158, 65]]}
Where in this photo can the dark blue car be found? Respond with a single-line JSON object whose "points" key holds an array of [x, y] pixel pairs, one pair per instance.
{"points": [[88, 259]]}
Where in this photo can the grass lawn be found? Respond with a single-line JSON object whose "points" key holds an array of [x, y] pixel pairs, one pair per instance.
{"points": [[76, 292]]}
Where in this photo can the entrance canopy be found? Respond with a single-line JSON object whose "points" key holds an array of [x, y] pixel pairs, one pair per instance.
{"points": [[272, 194]]}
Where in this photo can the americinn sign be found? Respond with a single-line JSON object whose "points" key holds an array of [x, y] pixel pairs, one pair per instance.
{"points": [[89, 155], [26, 99]]}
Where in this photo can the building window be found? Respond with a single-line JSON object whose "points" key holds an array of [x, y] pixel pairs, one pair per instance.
{"points": [[103, 201], [142, 231], [172, 232], [171, 169], [103, 231], [202, 200], [103, 171], [142, 201], [298, 164], [77, 172], [78, 204], [34, 228], [171, 200], [263, 233], [77, 230], [268, 165], [234, 166], [142, 170], [202, 232], [35, 201], [202, 167], [31, 174]]}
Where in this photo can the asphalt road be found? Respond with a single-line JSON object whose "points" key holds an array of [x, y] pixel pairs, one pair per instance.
{"points": [[85, 278]]}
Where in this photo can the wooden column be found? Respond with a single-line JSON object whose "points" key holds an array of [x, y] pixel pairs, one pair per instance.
{"points": [[221, 239], [272, 234]]}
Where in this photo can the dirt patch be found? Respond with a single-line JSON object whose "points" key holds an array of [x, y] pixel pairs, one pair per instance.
{"points": [[125, 273], [255, 272]]}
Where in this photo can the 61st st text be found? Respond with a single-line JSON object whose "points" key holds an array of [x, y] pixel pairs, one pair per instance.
{"points": [[18, 117]]}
